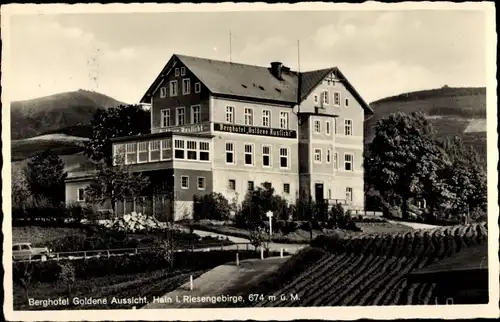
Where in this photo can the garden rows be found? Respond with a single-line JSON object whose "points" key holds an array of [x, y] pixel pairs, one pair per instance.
{"points": [[371, 271]]}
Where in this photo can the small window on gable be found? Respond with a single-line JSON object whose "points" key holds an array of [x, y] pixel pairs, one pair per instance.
{"points": [[163, 92], [177, 72], [183, 71], [197, 87]]}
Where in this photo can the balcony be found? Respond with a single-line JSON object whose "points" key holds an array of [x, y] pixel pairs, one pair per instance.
{"points": [[162, 147]]}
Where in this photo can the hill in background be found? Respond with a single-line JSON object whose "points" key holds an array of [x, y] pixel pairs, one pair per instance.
{"points": [[451, 111], [51, 114]]}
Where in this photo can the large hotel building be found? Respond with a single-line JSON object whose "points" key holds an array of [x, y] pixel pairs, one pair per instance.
{"points": [[229, 127]]}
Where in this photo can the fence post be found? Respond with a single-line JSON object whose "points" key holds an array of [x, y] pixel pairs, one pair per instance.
{"points": [[85, 255], [29, 258], [247, 247], [281, 252], [107, 252], [136, 251], [261, 252], [191, 282], [237, 259], [57, 256]]}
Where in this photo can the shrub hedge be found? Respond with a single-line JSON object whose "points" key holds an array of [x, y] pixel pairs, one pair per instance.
{"points": [[47, 272]]}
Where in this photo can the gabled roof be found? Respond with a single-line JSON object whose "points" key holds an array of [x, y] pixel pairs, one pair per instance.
{"points": [[249, 81]]}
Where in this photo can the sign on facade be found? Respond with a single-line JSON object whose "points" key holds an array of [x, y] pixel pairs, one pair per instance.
{"points": [[186, 129], [255, 130]]}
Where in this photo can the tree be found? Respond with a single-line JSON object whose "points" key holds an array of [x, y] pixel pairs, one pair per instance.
{"points": [[466, 177], [45, 176], [22, 276], [66, 275], [124, 120], [115, 183], [402, 154]]}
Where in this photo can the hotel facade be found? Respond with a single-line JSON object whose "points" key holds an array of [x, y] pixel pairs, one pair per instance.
{"points": [[225, 127]]}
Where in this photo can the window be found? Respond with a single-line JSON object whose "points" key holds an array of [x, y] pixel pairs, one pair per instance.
{"points": [[181, 116], [119, 153], [191, 150], [317, 126], [166, 149], [251, 185], [142, 149], [325, 98], [267, 185], [346, 102], [173, 88], [165, 118], [131, 153], [195, 114], [184, 182], [80, 194], [348, 127], [329, 193], [348, 162], [283, 157], [163, 92], [186, 86], [248, 154], [348, 194], [266, 118], [177, 72], [230, 114], [266, 155], [230, 153], [179, 149], [315, 98], [232, 184], [336, 98], [328, 128], [183, 71], [284, 120], [335, 160], [154, 150], [201, 183], [248, 116], [286, 188], [197, 87], [317, 155], [328, 156], [204, 151]]}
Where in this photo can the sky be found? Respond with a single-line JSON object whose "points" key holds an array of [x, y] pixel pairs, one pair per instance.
{"points": [[382, 53]]}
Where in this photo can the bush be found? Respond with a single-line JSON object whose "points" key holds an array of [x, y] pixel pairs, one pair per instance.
{"points": [[257, 203], [211, 206]]}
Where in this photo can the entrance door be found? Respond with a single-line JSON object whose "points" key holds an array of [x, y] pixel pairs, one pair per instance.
{"points": [[319, 192]]}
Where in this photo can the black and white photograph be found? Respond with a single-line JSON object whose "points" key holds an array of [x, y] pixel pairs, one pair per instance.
{"points": [[261, 158]]}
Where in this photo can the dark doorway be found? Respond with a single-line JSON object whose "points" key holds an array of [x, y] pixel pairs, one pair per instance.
{"points": [[319, 192]]}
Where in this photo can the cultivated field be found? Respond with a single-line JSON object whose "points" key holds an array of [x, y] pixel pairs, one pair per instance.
{"points": [[370, 269]]}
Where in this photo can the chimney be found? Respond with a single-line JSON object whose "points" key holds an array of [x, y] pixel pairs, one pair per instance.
{"points": [[276, 69]]}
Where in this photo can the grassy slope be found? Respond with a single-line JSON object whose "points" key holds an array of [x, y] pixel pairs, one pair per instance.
{"points": [[36, 116], [450, 110]]}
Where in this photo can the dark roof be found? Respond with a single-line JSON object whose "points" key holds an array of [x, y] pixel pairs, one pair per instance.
{"points": [[470, 261], [249, 81]]}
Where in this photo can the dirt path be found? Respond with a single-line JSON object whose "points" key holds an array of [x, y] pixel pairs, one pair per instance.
{"points": [[220, 286]]}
